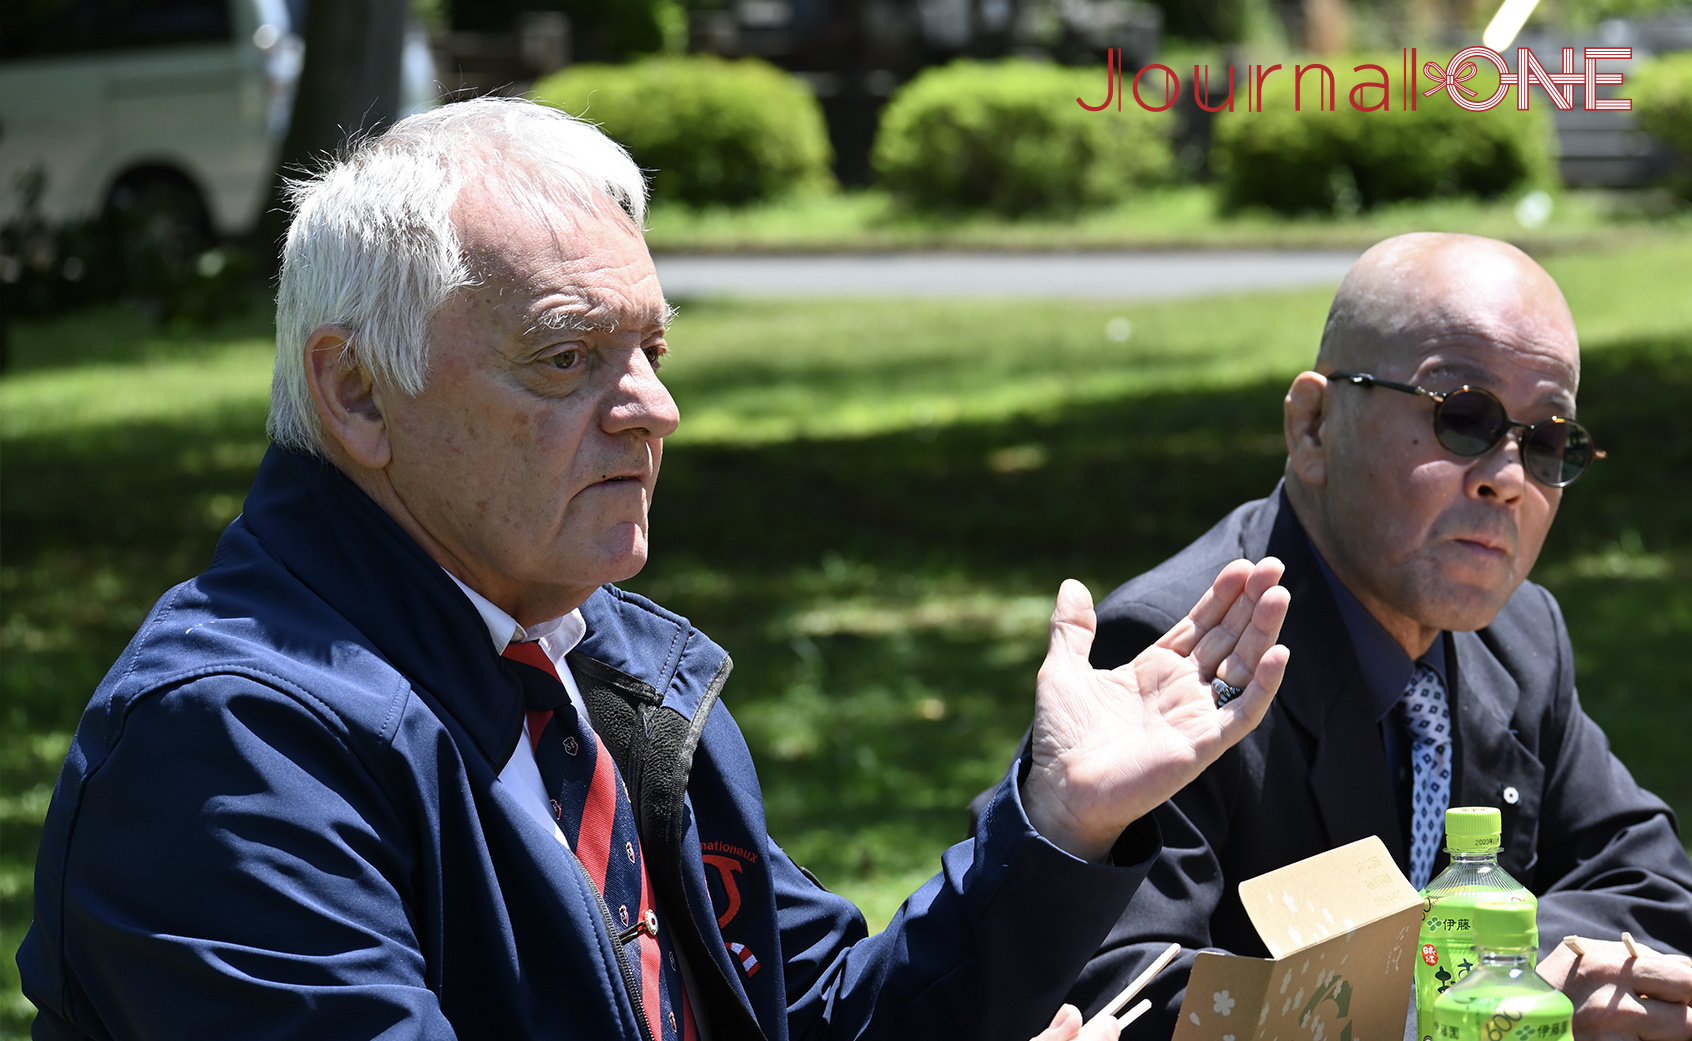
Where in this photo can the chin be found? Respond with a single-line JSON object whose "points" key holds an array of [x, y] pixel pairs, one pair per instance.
{"points": [[1466, 610], [627, 563], [630, 570]]}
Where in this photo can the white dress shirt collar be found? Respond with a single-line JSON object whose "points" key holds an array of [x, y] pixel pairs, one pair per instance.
{"points": [[557, 636]]}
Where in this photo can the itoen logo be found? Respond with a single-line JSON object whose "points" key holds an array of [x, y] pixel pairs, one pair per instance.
{"points": [[1453, 79]]}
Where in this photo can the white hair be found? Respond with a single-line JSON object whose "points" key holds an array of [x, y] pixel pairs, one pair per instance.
{"points": [[373, 248]]}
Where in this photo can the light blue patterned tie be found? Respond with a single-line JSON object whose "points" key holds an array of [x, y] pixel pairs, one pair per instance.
{"points": [[1427, 719]]}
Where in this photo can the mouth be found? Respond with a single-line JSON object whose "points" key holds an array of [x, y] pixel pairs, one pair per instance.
{"points": [[1487, 544], [621, 478]]}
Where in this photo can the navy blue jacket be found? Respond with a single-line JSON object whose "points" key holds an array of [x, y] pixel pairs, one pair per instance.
{"points": [[280, 816]]}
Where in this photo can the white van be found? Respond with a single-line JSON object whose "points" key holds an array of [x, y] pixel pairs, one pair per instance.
{"points": [[177, 107]]}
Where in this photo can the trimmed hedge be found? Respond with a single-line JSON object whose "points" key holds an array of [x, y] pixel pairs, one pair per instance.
{"points": [[1342, 160], [1662, 101], [710, 131], [1008, 136]]}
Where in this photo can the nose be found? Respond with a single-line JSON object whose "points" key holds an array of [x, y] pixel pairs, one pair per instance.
{"points": [[641, 403], [1499, 476]]}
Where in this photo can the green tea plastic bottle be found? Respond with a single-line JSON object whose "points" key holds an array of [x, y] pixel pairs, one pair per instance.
{"points": [[1503, 999], [1446, 946]]}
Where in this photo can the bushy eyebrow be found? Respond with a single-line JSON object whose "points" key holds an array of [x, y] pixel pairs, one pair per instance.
{"points": [[556, 320]]}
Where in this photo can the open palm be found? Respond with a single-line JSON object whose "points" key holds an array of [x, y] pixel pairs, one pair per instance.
{"points": [[1109, 746]]}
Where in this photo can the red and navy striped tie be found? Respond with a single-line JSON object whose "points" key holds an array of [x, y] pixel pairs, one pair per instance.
{"points": [[591, 804]]}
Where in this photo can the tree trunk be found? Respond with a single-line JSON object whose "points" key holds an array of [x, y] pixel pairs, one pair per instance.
{"points": [[1327, 27], [350, 83]]}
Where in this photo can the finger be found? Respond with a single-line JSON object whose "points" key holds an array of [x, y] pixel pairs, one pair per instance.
{"points": [[1681, 958], [1266, 574], [1266, 618], [1211, 608], [1241, 715], [1214, 646], [1664, 1021], [1065, 1025], [1073, 622], [1219, 642], [1661, 976]]}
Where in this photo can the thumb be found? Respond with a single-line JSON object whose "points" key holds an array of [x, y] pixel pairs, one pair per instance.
{"points": [[1064, 1026], [1073, 621]]}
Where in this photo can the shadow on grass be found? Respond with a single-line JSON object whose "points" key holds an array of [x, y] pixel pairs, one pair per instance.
{"points": [[740, 535], [119, 334], [883, 597]]}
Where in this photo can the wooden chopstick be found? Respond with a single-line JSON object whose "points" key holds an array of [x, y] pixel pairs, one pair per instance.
{"points": [[1141, 980], [1134, 1013]]}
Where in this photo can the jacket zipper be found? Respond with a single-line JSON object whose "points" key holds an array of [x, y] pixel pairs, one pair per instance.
{"points": [[690, 744], [631, 984]]}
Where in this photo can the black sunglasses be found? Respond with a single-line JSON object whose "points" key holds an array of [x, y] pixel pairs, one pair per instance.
{"points": [[1470, 421]]}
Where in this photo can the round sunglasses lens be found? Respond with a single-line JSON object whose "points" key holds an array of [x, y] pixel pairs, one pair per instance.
{"points": [[1557, 452], [1469, 422]]}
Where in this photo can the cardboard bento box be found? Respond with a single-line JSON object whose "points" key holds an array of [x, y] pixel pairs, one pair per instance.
{"points": [[1341, 928]]}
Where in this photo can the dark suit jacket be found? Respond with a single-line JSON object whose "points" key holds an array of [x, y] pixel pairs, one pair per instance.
{"points": [[1601, 853]]}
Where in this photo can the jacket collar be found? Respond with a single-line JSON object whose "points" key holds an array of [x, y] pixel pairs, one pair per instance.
{"points": [[1488, 758], [656, 647], [348, 551], [1315, 683], [1326, 695]]}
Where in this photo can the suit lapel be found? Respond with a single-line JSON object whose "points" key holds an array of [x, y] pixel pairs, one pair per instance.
{"points": [[1492, 766], [1324, 694]]}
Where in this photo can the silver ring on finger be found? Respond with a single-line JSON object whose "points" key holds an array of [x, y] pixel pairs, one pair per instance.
{"points": [[1224, 692]]}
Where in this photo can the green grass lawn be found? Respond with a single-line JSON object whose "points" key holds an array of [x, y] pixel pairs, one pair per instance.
{"points": [[1178, 216], [870, 505]]}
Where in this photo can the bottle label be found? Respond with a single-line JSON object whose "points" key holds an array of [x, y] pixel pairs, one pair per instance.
{"points": [[1445, 952], [1503, 1017]]}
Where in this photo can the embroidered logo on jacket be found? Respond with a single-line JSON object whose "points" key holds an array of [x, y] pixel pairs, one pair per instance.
{"points": [[730, 862], [748, 960]]}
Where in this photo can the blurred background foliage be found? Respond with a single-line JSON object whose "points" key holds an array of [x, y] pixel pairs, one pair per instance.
{"points": [[1663, 100], [1302, 153], [1007, 136], [601, 30], [956, 143], [710, 130]]}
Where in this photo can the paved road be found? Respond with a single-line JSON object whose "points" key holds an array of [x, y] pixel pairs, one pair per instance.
{"points": [[1091, 276]]}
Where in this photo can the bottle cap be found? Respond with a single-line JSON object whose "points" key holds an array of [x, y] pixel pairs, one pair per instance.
{"points": [[1504, 924], [1473, 829]]}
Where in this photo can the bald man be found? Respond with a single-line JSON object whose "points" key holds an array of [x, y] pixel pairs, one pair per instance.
{"points": [[1409, 518]]}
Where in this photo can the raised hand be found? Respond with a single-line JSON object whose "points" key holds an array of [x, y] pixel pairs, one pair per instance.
{"points": [[1108, 747]]}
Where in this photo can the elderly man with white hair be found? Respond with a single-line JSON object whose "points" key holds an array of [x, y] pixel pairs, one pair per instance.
{"points": [[404, 763]]}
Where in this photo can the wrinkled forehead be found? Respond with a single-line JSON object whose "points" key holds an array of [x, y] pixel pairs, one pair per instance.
{"points": [[1506, 341], [555, 262], [504, 219]]}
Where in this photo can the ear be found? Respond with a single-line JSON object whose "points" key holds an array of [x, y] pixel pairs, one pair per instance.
{"points": [[1305, 414], [348, 402]]}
